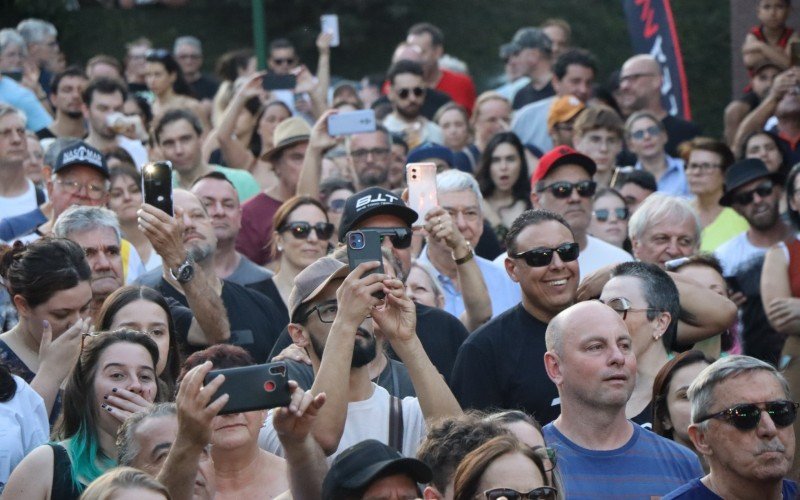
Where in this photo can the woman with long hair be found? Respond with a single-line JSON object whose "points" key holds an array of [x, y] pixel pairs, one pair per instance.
{"points": [[125, 199], [165, 80], [114, 378]]}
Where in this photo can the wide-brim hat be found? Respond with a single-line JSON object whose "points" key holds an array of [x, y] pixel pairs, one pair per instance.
{"points": [[288, 133], [743, 172]]}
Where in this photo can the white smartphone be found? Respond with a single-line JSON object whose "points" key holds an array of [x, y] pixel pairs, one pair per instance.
{"points": [[353, 122], [330, 24], [422, 197]]}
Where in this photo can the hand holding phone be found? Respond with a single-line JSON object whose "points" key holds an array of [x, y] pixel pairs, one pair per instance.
{"points": [[365, 246], [422, 196], [330, 24], [249, 388], [157, 185], [353, 122]]}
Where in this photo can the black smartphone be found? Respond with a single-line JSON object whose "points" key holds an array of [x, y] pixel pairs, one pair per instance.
{"points": [[733, 284], [14, 75], [273, 81], [364, 245], [157, 185], [249, 388]]}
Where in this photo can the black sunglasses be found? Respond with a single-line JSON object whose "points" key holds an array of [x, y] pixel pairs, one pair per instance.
{"points": [[563, 189], [746, 416], [541, 493], [301, 230], [540, 257], [746, 197], [399, 236], [404, 93], [281, 61], [602, 214]]}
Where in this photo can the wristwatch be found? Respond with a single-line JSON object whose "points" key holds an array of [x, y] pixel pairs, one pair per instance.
{"points": [[185, 271], [466, 258]]}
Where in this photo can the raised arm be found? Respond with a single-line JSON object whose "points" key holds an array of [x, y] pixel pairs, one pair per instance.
{"points": [[704, 312], [783, 309], [758, 117], [319, 142], [319, 97], [398, 322], [236, 154]]}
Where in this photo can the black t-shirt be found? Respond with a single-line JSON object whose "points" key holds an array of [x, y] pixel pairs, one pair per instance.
{"points": [[678, 131], [645, 417], [394, 377], [439, 332], [204, 87], [253, 319], [45, 133], [528, 94], [267, 288], [760, 339], [434, 100], [501, 366]]}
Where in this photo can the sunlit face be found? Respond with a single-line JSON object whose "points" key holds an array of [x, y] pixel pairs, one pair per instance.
{"points": [[408, 85], [492, 116], [147, 317], [61, 196], [577, 81], [464, 207], [125, 198], [613, 229], [301, 252], [512, 470], [455, 129], [235, 430], [601, 145], [761, 146], [505, 167], [67, 98], [576, 209], [102, 248], [222, 203], [429, 54], [639, 80], [198, 235], [62, 310], [11, 58], [123, 365], [704, 173], [652, 143], [181, 145], [13, 141], [420, 289], [272, 116], [97, 112], [369, 154], [679, 408], [158, 80], [665, 240]]}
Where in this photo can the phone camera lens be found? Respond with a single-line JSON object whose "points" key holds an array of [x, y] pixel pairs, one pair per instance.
{"points": [[414, 177], [356, 241]]}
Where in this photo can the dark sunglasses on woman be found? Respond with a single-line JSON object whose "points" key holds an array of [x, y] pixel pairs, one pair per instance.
{"points": [[540, 257], [602, 214], [301, 230], [541, 493]]}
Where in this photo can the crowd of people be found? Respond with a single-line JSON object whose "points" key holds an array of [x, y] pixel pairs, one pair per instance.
{"points": [[605, 302]]}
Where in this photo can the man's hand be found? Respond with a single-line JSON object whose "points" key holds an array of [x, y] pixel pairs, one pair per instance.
{"points": [[320, 139], [783, 83], [440, 226], [355, 296], [592, 286], [397, 319], [785, 315], [253, 87], [293, 423], [164, 232], [194, 411], [324, 42], [293, 352]]}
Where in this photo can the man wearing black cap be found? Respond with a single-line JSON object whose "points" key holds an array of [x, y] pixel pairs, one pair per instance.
{"points": [[370, 469], [755, 193], [534, 51]]}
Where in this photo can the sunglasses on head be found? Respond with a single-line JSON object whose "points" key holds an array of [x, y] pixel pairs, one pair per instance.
{"points": [[540, 257], [602, 214], [746, 416], [301, 230], [563, 189], [404, 93], [399, 236], [541, 493], [746, 197]]}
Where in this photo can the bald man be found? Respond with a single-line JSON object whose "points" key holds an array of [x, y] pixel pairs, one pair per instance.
{"points": [[640, 83], [601, 453]]}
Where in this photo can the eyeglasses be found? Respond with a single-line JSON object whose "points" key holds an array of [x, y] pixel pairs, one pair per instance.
{"points": [[94, 191], [417, 91], [623, 306], [602, 214], [326, 311], [281, 61], [377, 153], [540, 257], [541, 493], [399, 236], [746, 416], [746, 197], [157, 54], [652, 131], [703, 168], [548, 456], [302, 230], [336, 206], [563, 189]]}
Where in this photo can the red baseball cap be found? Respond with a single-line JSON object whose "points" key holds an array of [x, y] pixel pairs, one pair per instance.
{"points": [[561, 155]]}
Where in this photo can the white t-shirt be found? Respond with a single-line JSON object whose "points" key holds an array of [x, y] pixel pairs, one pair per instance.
{"points": [[597, 254], [135, 149], [17, 205], [736, 252], [23, 427], [368, 419]]}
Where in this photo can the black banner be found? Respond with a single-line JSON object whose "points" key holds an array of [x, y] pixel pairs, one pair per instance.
{"points": [[652, 31]]}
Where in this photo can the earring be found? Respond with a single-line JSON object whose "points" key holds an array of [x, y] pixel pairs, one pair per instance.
{"points": [[280, 248]]}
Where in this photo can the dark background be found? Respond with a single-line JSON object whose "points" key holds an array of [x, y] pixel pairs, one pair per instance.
{"points": [[370, 29]]}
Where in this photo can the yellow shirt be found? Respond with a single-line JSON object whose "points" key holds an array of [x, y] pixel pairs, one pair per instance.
{"points": [[727, 225]]}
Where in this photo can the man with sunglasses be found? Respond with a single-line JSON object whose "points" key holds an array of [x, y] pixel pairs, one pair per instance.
{"points": [[742, 418], [407, 93], [282, 57], [755, 193], [601, 453]]}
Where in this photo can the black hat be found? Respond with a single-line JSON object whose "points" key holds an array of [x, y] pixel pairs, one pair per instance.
{"points": [[373, 201], [742, 172], [81, 153], [357, 466]]}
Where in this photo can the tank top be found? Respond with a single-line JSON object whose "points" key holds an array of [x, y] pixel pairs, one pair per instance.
{"points": [[793, 247]]}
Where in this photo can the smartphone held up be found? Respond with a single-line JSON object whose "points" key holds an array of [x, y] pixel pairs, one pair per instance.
{"points": [[422, 196], [249, 388], [157, 185]]}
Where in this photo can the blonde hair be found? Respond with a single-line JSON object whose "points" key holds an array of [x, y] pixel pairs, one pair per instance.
{"points": [[107, 486]]}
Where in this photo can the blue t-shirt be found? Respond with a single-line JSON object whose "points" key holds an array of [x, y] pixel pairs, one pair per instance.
{"points": [[646, 466], [25, 100], [696, 490]]}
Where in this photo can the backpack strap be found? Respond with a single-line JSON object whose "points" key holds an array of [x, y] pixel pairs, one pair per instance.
{"points": [[396, 424]]}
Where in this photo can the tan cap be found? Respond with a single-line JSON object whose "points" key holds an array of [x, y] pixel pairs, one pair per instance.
{"points": [[564, 108], [311, 280], [288, 133]]}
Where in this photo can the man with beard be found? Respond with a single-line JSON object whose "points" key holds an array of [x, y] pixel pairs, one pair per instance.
{"points": [[65, 96], [407, 93], [755, 194], [601, 453], [742, 419], [334, 313], [96, 230], [225, 311], [782, 101], [640, 84]]}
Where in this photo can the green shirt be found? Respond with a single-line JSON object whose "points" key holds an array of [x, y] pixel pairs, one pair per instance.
{"points": [[244, 182]]}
